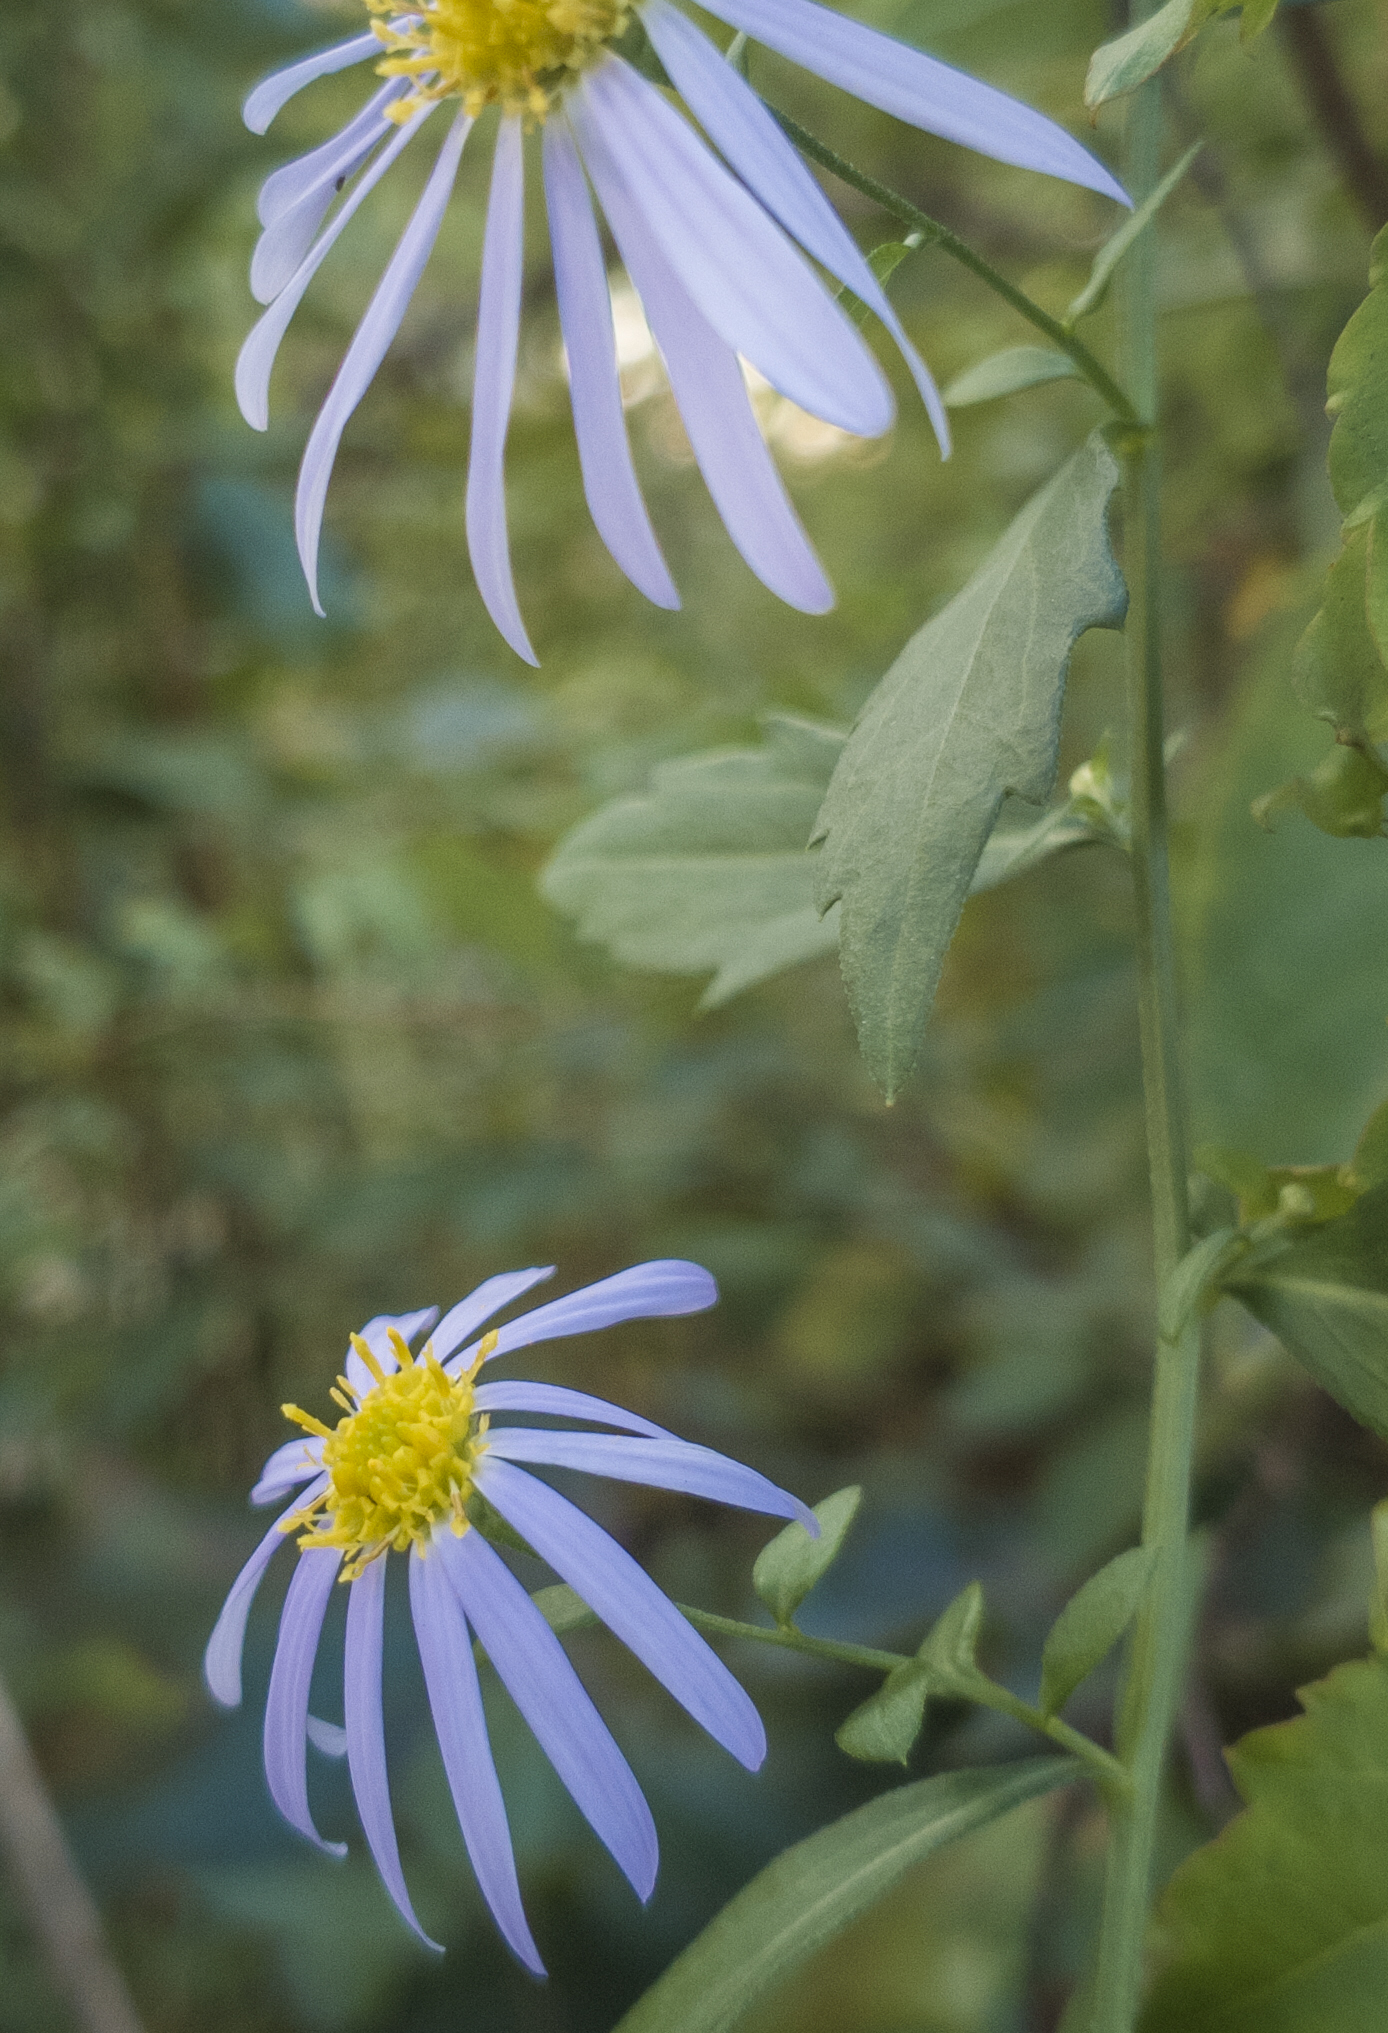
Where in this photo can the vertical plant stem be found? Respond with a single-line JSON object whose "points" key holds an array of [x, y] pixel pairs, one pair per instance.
{"points": [[60, 1908], [1161, 1634]]}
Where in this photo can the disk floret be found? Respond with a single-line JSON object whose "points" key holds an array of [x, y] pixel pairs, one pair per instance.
{"points": [[399, 1462], [517, 54]]}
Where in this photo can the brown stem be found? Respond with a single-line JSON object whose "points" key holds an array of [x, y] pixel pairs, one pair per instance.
{"points": [[61, 1910], [1342, 130]]}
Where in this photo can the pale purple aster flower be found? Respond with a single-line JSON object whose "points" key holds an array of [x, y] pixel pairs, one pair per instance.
{"points": [[708, 240], [415, 1442]]}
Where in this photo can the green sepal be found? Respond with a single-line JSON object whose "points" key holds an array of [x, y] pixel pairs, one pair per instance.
{"points": [[1091, 1624], [788, 1567], [1297, 1195]]}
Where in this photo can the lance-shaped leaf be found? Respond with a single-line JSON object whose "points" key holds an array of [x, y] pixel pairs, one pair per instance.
{"points": [[708, 869], [1091, 1624], [1110, 255], [790, 1564], [1005, 373], [1281, 1924], [814, 1889], [969, 712], [1324, 1293]]}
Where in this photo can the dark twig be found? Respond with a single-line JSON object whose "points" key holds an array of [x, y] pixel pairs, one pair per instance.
{"points": [[61, 1910], [1313, 56]]}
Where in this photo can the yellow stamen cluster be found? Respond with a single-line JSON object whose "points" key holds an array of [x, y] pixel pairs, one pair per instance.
{"points": [[517, 54], [399, 1462]]}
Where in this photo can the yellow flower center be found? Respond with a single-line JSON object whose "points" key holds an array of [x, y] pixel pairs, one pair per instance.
{"points": [[517, 54], [399, 1462]]}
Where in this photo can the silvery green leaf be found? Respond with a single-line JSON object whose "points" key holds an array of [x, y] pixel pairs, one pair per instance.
{"points": [[969, 712]]}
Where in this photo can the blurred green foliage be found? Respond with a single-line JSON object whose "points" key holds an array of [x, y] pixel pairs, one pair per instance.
{"points": [[287, 1036]]}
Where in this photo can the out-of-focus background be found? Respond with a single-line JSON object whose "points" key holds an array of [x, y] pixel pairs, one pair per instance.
{"points": [[287, 1037]]}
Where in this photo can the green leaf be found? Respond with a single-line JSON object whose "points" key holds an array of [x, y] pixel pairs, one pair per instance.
{"points": [[1324, 1293], [969, 711], [1006, 373], [949, 1648], [1111, 253], [1091, 1624], [708, 869], [1369, 1165], [1378, 1601], [1281, 1924], [883, 1729], [1129, 60], [814, 1889], [1011, 850], [1357, 386], [790, 1565], [1336, 667], [1199, 1270], [1343, 796]]}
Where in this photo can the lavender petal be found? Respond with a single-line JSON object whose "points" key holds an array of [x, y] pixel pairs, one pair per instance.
{"points": [[630, 1604], [595, 392], [221, 1662], [917, 88], [368, 348], [288, 235], [284, 187], [366, 1736], [279, 88], [657, 1290], [479, 1306], [739, 125], [287, 1467], [257, 357], [498, 328], [660, 1464], [754, 288], [450, 1674], [707, 380], [564, 1404], [536, 1673], [286, 1705]]}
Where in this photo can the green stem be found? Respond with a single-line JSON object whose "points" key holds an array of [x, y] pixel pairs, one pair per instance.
{"points": [[933, 232], [1160, 1637], [986, 1693]]}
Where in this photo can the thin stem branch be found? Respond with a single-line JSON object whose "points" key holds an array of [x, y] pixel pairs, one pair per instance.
{"points": [[61, 1910], [935, 234], [1161, 1633], [985, 1693]]}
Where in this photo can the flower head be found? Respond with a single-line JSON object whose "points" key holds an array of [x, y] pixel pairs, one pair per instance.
{"points": [[415, 1445], [714, 244]]}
